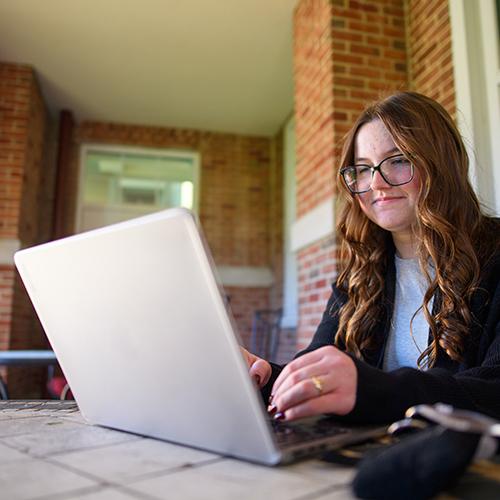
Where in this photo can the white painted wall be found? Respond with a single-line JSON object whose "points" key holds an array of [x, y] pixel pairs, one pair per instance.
{"points": [[490, 33], [8, 247], [475, 48]]}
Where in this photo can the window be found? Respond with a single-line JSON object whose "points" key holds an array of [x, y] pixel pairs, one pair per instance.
{"points": [[117, 184]]}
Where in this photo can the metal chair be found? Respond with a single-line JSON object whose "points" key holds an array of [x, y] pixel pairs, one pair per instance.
{"points": [[43, 357], [266, 328]]}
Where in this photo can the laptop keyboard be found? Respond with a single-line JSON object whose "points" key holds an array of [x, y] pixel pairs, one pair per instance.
{"points": [[287, 434]]}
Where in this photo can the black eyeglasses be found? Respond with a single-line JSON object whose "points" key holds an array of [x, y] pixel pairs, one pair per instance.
{"points": [[396, 170]]}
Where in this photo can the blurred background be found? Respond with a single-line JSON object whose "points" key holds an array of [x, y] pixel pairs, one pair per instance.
{"points": [[237, 109]]}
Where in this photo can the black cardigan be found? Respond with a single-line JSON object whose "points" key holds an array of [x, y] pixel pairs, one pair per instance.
{"points": [[473, 384]]}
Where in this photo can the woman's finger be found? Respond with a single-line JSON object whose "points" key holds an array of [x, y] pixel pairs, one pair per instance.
{"points": [[248, 356], [329, 403], [260, 371], [330, 376], [310, 387], [297, 377], [295, 366]]}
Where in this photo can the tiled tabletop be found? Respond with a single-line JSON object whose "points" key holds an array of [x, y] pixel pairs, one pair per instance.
{"points": [[47, 451]]}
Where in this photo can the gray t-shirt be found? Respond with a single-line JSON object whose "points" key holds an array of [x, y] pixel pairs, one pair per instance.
{"points": [[403, 348]]}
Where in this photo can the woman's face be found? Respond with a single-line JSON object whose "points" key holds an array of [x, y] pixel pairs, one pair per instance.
{"points": [[391, 207]]}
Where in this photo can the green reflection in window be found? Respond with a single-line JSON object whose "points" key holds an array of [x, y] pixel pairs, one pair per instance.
{"points": [[119, 185]]}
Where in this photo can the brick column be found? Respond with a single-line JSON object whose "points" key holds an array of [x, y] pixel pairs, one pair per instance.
{"points": [[24, 191], [314, 129], [15, 89], [346, 53], [429, 47]]}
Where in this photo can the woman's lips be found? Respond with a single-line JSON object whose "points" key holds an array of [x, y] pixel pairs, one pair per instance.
{"points": [[387, 200]]}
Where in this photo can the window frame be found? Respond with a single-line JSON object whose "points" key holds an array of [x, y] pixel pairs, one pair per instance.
{"points": [[87, 148]]}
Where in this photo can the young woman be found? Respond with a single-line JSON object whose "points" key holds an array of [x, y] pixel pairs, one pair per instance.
{"points": [[414, 316]]}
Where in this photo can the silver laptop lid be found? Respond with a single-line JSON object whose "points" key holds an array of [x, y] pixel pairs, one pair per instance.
{"points": [[135, 316]]}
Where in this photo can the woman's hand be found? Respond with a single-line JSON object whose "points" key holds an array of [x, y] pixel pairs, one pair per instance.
{"points": [[321, 381], [259, 369]]}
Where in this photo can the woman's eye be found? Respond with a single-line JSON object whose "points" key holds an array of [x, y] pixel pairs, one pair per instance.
{"points": [[363, 170], [401, 161], [351, 175]]}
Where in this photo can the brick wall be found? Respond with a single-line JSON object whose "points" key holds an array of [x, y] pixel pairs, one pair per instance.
{"points": [[314, 129], [6, 297], [430, 57], [25, 187], [7, 275], [15, 95], [14, 89], [235, 197], [369, 56], [313, 78], [243, 302], [317, 271], [34, 227]]}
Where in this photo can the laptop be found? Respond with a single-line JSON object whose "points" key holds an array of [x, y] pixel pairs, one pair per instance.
{"points": [[138, 321]]}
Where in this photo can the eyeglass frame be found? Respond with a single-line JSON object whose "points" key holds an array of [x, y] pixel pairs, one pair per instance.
{"points": [[376, 168]]}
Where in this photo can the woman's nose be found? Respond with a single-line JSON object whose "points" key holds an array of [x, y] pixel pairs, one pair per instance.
{"points": [[378, 182]]}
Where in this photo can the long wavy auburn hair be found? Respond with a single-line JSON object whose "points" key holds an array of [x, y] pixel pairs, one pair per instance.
{"points": [[453, 236]]}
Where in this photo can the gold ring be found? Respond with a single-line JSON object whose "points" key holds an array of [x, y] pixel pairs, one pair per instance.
{"points": [[317, 384]]}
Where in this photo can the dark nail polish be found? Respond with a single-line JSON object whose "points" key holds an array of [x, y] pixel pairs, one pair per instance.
{"points": [[271, 409], [279, 416]]}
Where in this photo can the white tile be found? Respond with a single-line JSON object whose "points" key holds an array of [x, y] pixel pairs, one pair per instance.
{"points": [[128, 461], [73, 417], [36, 478], [9, 455], [32, 424], [106, 494], [230, 479], [98, 493], [5, 416], [64, 437], [337, 493]]}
